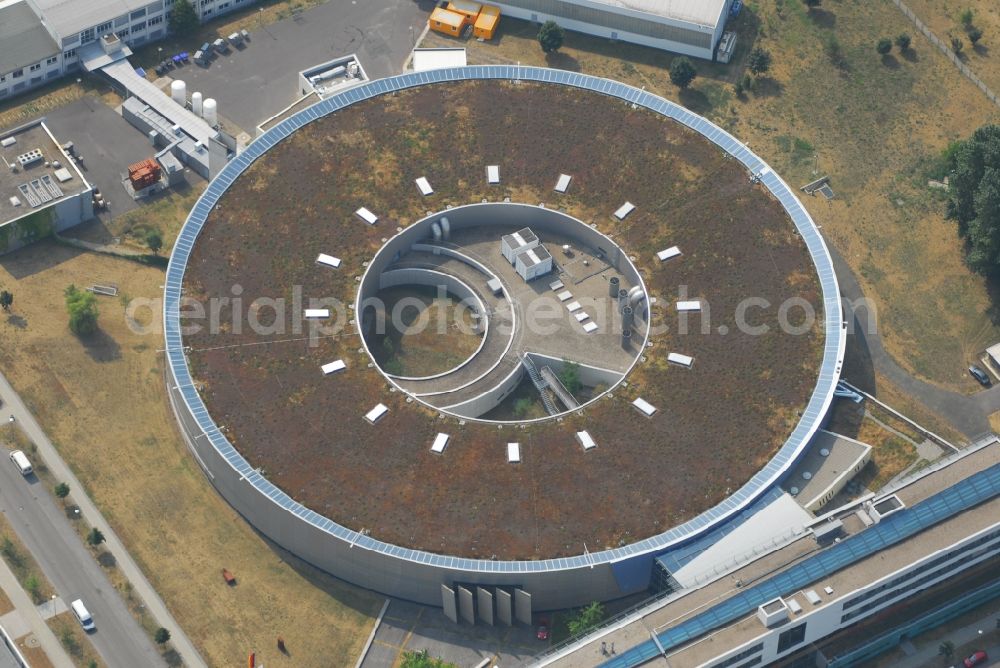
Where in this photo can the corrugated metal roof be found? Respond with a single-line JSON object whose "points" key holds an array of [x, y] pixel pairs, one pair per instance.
{"points": [[23, 39], [702, 12], [68, 17]]}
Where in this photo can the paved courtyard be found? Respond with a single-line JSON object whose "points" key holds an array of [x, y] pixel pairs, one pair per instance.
{"points": [[256, 82], [411, 627]]}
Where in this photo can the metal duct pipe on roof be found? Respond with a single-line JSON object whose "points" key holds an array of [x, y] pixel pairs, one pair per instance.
{"points": [[636, 295], [436, 231], [626, 339], [622, 297], [628, 317], [445, 227], [613, 284]]}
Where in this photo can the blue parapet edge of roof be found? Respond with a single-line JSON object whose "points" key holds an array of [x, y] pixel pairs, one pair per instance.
{"points": [[794, 446], [899, 526]]}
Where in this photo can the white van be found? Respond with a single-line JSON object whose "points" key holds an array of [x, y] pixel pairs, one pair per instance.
{"points": [[21, 462], [83, 615]]}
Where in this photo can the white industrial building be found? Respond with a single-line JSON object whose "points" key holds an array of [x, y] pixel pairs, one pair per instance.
{"points": [[533, 262], [512, 244], [39, 39], [690, 27]]}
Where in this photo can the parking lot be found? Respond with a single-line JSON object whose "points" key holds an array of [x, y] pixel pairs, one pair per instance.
{"points": [[107, 143], [254, 83]]}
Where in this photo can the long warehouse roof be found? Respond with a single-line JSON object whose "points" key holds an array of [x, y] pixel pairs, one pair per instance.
{"points": [[702, 12]]}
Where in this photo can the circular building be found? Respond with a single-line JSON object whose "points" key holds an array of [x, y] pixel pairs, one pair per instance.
{"points": [[498, 332]]}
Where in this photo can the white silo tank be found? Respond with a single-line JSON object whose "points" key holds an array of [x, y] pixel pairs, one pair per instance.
{"points": [[196, 102], [178, 92], [208, 109]]}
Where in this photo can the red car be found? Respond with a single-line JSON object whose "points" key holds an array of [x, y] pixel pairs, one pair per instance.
{"points": [[543, 630], [976, 659]]}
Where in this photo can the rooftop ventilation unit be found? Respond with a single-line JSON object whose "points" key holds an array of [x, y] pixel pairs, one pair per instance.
{"points": [[30, 158], [773, 613]]}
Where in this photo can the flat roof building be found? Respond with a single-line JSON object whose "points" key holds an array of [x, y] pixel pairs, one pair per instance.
{"points": [[41, 190], [690, 27], [836, 603], [39, 38]]}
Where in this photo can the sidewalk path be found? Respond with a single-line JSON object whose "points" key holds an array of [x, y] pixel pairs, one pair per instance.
{"points": [[29, 616], [13, 405]]}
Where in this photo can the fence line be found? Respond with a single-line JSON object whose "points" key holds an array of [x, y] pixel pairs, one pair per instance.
{"points": [[946, 50]]}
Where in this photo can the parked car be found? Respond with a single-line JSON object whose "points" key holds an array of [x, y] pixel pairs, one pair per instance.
{"points": [[221, 45], [82, 615], [976, 659], [543, 630], [980, 375]]}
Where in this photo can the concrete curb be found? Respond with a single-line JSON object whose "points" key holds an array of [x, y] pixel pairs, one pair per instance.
{"points": [[371, 636]]}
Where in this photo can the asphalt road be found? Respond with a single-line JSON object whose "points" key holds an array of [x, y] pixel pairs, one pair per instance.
{"points": [[969, 414], [46, 533]]}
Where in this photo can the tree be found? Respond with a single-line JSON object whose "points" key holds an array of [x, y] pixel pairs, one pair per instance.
{"points": [[154, 241], [585, 619], [812, 3], [974, 34], [161, 636], [183, 19], [551, 36], [82, 308], [62, 490], [884, 46], [956, 45], [570, 377], [759, 61], [6, 299], [974, 197], [682, 72], [95, 537], [903, 41], [947, 650]]}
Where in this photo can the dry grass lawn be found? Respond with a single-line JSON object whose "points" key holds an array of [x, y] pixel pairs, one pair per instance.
{"points": [[891, 454], [74, 641], [873, 126], [943, 18], [104, 406]]}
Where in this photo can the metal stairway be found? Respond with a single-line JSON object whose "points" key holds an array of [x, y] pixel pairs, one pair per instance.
{"points": [[540, 385]]}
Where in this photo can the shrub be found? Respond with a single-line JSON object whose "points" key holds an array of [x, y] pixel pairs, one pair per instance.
{"points": [[759, 61], [161, 636], [682, 72], [62, 490], [956, 45], [154, 241], [966, 17], [903, 41], [95, 537], [884, 46], [974, 34]]}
